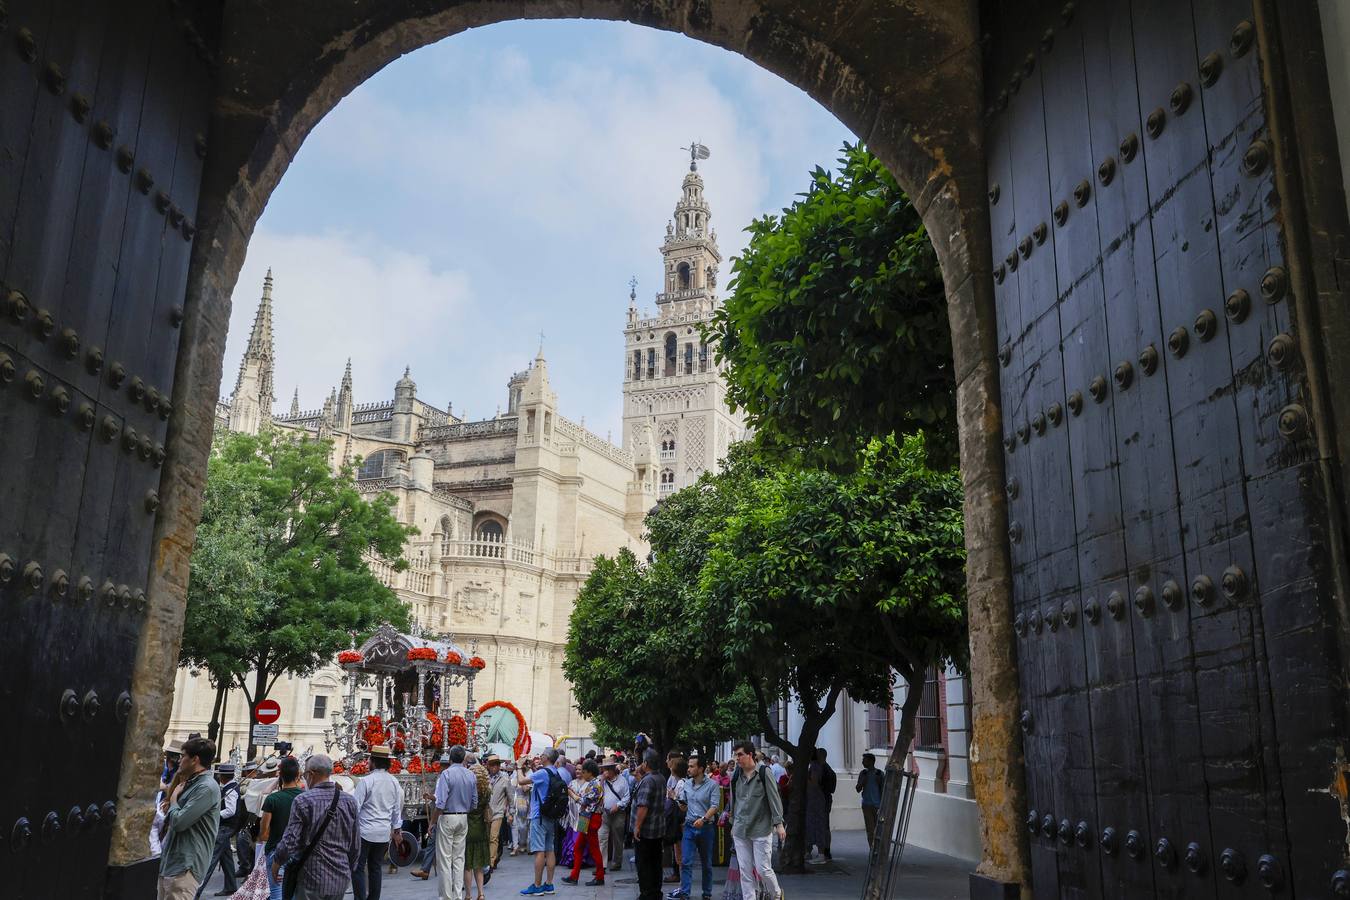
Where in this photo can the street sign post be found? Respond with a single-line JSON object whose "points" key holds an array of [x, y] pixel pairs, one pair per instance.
{"points": [[264, 735]]}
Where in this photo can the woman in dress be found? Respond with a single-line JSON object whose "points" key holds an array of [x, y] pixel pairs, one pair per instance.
{"points": [[477, 849]]}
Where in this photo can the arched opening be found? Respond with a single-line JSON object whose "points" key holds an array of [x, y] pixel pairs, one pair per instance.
{"points": [[683, 281], [672, 353], [880, 101], [380, 464]]}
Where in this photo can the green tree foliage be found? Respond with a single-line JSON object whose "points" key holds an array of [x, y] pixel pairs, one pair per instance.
{"points": [[280, 580], [836, 328], [829, 582], [639, 658]]}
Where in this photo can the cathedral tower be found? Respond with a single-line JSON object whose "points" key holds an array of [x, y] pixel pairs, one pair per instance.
{"points": [[251, 404], [675, 411]]}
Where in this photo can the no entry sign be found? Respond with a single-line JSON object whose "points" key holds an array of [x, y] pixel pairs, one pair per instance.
{"points": [[267, 712]]}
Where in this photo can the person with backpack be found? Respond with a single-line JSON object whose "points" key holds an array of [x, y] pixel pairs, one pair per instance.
{"points": [[871, 784], [649, 826], [233, 814], [819, 802], [756, 816], [548, 805]]}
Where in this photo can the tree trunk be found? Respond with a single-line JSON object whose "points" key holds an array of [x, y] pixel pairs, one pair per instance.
{"points": [[794, 848], [213, 727], [882, 849]]}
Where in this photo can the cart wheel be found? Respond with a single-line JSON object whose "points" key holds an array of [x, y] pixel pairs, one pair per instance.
{"points": [[411, 847]]}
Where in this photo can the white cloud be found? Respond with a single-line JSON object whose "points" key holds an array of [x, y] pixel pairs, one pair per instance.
{"points": [[337, 295], [522, 172]]}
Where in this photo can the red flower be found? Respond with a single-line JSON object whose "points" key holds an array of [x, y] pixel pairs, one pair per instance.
{"points": [[522, 744], [436, 766], [478, 663], [395, 767], [437, 738], [373, 733], [417, 653], [453, 658], [414, 766], [361, 768], [338, 768], [350, 656], [456, 731]]}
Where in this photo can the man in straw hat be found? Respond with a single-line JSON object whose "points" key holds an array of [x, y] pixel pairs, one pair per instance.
{"points": [[615, 795], [379, 803], [500, 788]]}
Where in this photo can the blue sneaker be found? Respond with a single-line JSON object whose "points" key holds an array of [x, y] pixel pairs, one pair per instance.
{"points": [[548, 889], [531, 891]]}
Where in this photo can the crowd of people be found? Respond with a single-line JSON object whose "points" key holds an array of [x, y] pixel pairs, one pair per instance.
{"points": [[315, 840]]}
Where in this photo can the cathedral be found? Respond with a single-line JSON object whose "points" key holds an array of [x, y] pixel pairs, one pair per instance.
{"points": [[510, 511]]}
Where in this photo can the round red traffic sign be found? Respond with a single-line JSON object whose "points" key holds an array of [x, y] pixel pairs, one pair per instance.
{"points": [[267, 712]]}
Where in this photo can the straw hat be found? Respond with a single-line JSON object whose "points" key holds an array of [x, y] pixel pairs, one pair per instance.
{"points": [[379, 751]]}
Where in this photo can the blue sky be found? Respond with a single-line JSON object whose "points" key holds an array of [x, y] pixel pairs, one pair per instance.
{"points": [[505, 182]]}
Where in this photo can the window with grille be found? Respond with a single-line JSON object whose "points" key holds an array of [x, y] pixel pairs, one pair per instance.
{"points": [[672, 354], [928, 722], [702, 357], [651, 362], [637, 365], [880, 726], [320, 706], [689, 359]]}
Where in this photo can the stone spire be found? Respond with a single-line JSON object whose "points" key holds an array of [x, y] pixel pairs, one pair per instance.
{"points": [[406, 419], [251, 404], [344, 400], [295, 404]]}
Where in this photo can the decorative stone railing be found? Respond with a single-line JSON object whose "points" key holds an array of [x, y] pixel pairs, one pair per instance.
{"points": [[575, 432], [461, 430]]}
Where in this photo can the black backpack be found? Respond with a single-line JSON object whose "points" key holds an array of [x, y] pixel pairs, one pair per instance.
{"points": [[828, 780], [554, 805]]}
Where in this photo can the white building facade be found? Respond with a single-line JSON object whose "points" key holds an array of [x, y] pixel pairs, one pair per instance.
{"points": [[511, 510]]}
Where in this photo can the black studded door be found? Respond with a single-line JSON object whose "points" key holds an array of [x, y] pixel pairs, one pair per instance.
{"points": [[1173, 608], [101, 138]]}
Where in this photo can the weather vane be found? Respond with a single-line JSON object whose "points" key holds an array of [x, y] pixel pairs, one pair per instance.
{"points": [[632, 287], [697, 151]]}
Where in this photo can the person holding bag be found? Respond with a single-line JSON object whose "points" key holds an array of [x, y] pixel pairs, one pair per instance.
{"points": [[321, 843]]}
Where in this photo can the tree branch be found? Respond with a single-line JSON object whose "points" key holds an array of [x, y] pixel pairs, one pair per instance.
{"points": [[763, 712]]}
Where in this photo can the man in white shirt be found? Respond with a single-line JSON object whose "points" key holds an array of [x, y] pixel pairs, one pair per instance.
{"points": [[776, 769], [379, 804], [616, 794]]}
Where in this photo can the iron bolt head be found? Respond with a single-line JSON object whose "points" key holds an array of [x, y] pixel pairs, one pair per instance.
{"points": [[1233, 865], [1238, 304], [1274, 284]]}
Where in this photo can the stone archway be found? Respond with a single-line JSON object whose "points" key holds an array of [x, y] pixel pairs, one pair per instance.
{"points": [[905, 78], [114, 199]]}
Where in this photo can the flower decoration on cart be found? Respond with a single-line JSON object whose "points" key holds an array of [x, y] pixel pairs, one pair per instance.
{"points": [[454, 659], [456, 731], [422, 653], [477, 662], [349, 657]]}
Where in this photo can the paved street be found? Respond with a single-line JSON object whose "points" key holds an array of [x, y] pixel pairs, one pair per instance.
{"points": [[926, 876]]}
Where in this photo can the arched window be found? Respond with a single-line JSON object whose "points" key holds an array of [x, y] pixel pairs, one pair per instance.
{"points": [[689, 359], [672, 351], [379, 464], [651, 362], [668, 449], [667, 482], [702, 357], [637, 365], [488, 534], [682, 274]]}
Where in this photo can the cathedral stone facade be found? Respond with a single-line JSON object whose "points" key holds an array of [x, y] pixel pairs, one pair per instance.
{"points": [[510, 511]]}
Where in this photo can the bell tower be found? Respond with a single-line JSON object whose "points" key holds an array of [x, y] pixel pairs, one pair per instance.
{"points": [[676, 420]]}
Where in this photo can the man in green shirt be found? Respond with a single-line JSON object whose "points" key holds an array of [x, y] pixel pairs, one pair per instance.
{"points": [[191, 824], [756, 816]]}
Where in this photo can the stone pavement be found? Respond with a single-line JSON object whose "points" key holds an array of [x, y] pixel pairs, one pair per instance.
{"points": [[925, 876]]}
